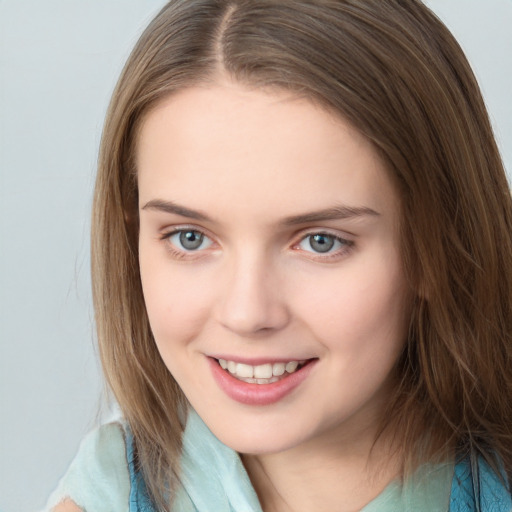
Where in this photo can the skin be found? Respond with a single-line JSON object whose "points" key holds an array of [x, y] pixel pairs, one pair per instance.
{"points": [[67, 506], [248, 160]]}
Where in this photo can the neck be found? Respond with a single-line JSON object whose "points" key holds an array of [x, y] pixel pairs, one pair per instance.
{"points": [[331, 474]]}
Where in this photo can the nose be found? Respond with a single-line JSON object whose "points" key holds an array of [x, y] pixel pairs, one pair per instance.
{"points": [[253, 300]]}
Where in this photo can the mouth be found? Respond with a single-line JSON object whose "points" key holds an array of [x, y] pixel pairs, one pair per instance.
{"points": [[267, 373], [262, 384]]}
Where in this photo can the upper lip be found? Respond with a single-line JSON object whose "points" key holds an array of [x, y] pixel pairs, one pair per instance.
{"points": [[255, 361]]}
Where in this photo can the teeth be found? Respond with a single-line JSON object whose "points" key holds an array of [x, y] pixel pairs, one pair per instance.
{"points": [[278, 369], [291, 366], [245, 370], [261, 373]]}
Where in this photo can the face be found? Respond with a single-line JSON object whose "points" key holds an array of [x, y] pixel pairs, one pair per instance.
{"points": [[270, 265]]}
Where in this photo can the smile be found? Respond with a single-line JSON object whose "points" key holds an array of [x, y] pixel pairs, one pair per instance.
{"points": [[261, 374], [262, 384]]}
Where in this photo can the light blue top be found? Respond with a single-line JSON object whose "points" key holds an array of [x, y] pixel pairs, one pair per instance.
{"points": [[101, 479]]}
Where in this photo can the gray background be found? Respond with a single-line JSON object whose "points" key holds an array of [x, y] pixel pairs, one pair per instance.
{"points": [[59, 60]]}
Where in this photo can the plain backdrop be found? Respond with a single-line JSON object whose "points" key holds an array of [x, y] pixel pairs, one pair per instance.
{"points": [[59, 60]]}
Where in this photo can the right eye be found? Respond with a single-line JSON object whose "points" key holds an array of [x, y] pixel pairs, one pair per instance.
{"points": [[188, 240]]}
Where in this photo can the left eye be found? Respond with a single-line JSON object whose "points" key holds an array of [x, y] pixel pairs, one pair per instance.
{"points": [[322, 243], [189, 240]]}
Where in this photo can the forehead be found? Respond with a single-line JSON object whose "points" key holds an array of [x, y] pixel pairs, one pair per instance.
{"points": [[228, 145]]}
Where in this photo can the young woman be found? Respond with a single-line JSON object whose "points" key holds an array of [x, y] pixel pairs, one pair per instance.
{"points": [[302, 266]]}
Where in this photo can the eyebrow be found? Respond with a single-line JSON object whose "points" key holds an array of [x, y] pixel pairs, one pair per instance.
{"points": [[334, 213], [176, 209]]}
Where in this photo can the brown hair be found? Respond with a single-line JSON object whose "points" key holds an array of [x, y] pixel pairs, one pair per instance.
{"points": [[393, 70]]}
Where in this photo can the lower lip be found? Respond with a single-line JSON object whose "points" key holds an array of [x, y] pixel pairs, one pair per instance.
{"points": [[258, 394]]}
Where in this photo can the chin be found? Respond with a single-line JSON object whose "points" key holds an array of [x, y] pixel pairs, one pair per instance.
{"points": [[257, 438]]}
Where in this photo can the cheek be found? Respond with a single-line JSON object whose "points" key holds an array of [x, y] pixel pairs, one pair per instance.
{"points": [[177, 306], [362, 310]]}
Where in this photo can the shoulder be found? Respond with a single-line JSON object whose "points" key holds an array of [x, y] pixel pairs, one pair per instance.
{"points": [[98, 477], [67, 505]]}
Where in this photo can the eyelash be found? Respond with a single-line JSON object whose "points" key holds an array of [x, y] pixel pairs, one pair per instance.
{"points": [[182, 253], [346, 245]]}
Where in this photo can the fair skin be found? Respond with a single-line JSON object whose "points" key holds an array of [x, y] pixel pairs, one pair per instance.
{"points": [[277, 223], [67, 506], [269, 234]]}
